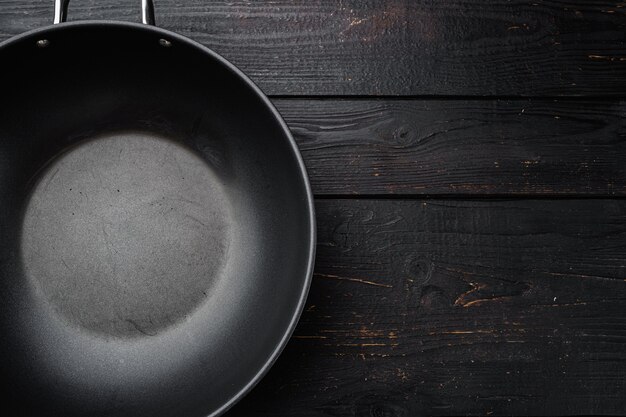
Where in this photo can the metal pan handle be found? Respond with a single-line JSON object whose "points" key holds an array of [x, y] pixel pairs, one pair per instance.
{"points": [[147, 11]]}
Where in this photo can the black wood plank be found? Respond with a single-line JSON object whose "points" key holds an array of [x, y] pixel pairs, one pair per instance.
{"points": [[399, 47], [458, 307], [461, 147]]}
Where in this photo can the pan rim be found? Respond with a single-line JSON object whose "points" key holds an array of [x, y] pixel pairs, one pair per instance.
{"points": [[306, 284]]}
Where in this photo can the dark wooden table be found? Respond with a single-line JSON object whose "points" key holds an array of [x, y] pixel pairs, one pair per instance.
{"points": [[469, 163]]}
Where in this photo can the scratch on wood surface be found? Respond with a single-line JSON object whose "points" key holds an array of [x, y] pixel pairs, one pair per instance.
{"points": [[579, 303], [365, 333], [309, 337], [485, 300], [607, 58], [569, 304], [457, 270], [559, 274], [367, 344], [531, 162], [522, 26], [460, 301], [462, 332], [359, 280]]}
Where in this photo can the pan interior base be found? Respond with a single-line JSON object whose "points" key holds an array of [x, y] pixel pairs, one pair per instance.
{"points": [[126, 234]]}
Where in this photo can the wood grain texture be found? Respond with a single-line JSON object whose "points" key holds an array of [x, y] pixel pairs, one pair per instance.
{"points": [[394, 47], [461, 147], [458, 308]]}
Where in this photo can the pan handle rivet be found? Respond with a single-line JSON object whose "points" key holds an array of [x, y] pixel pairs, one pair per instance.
{"points": [[165, 43], [42, 43]]}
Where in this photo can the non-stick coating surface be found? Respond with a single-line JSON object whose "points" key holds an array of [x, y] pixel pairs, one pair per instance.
{"points": [[156, 221]]}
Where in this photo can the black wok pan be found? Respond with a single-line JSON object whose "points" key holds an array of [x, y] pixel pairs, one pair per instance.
{"points": [[156, 219]]}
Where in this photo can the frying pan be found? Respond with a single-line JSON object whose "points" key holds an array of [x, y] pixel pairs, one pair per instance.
{"points": [[156, 219]]}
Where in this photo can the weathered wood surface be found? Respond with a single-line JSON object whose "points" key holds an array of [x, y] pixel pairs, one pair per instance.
{"points": [[395, 47], [461, 147], [466, 304], [435, 307]]}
